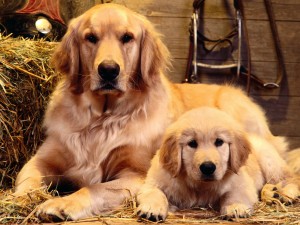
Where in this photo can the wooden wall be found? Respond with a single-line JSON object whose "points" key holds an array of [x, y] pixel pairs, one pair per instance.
{"points": [[282, 105]]}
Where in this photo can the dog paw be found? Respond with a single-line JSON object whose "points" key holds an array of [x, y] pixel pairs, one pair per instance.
{"points": [[153, 206], [152, 212], [62, 209], [285, 194], [236, 210]]}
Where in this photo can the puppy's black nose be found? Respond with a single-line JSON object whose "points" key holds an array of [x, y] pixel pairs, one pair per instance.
{"points": [[108, 70], [207, 168]]}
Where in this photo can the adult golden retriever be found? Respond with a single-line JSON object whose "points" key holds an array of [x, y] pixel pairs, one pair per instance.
{"points": [[208, 160], [106, 118]]}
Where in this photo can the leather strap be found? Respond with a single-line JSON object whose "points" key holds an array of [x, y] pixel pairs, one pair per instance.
{"points": [[281, 66], [238, 4], [244, 71]]}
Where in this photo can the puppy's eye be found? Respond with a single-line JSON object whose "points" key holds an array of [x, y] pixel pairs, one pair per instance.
{"points": [[219, 142], [91, 38], [126, 38], [193, 144]]}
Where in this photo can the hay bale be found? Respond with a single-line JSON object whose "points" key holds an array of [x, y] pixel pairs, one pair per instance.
{"points": [[21, 209], [26, 80]]}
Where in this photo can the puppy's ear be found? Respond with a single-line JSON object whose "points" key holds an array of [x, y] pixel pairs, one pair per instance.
{"points": [[170, 155], [66, 58], [239, 151], [155, 56]]}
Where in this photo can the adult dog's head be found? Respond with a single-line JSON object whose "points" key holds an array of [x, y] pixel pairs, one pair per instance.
{"points": [[205, 144], [110, 49]]}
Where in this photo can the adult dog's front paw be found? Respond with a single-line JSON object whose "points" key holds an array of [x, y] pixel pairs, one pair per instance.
{"points": [[62, 209], [236, 210], [73, 207], [286, 194]]}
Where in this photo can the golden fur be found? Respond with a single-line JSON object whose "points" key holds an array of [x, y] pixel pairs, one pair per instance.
{"points": [[293, 160], [103, 127], [181, 172]]}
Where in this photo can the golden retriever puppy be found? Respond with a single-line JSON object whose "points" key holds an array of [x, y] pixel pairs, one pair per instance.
{"points": [[106, 118], [208, 160]]}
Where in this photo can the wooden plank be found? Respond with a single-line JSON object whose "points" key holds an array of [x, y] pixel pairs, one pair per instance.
{"points": [[254, 10], [266, 71], [176, 32], [294, 142], [283, 114], [262, 45], [75, 8], [283, 10], [156, 8]]}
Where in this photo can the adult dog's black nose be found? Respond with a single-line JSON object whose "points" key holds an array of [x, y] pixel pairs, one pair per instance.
{"points": [[207, 168], [108, 70]]}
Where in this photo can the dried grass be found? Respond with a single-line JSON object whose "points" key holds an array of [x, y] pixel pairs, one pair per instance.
{"points": [[21, 210], [26, 80]]}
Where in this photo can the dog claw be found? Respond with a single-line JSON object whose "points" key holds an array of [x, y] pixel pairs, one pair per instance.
{"points": [[152, 218], [160, 218], [144, 216], [286, 194], [51, 218], [276, 195]]}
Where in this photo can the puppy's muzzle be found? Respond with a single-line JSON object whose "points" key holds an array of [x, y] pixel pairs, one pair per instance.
{"points": [[207, 168], [108, 70]]}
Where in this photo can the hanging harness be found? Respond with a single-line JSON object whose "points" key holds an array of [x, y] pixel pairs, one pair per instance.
{"points": [[239, 29]]}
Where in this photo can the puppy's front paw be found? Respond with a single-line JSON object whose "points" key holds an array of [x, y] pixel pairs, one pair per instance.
{"points": [[236, 210], [286, 194], [153, 206], [152, 212], [72, 207]]}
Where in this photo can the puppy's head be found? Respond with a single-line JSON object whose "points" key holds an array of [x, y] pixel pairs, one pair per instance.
{"points": [[205, 144], [110, 49]]}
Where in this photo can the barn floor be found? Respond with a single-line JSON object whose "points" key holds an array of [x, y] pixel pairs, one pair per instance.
{"points": [[263, 215], [203, 216], [22, 210]]}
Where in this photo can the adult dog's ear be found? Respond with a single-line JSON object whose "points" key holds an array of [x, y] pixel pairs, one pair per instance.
{"points": [[170, 154], [66, 58], [240, 149], [155, 57]]}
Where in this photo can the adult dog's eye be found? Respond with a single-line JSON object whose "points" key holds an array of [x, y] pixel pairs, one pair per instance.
{"points": [[193, 144], [91, 38], [219, 142], [126, 38]]}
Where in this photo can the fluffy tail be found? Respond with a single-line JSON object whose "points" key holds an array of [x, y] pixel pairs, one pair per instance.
{"points": [[293, 160], [281, 144]]}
